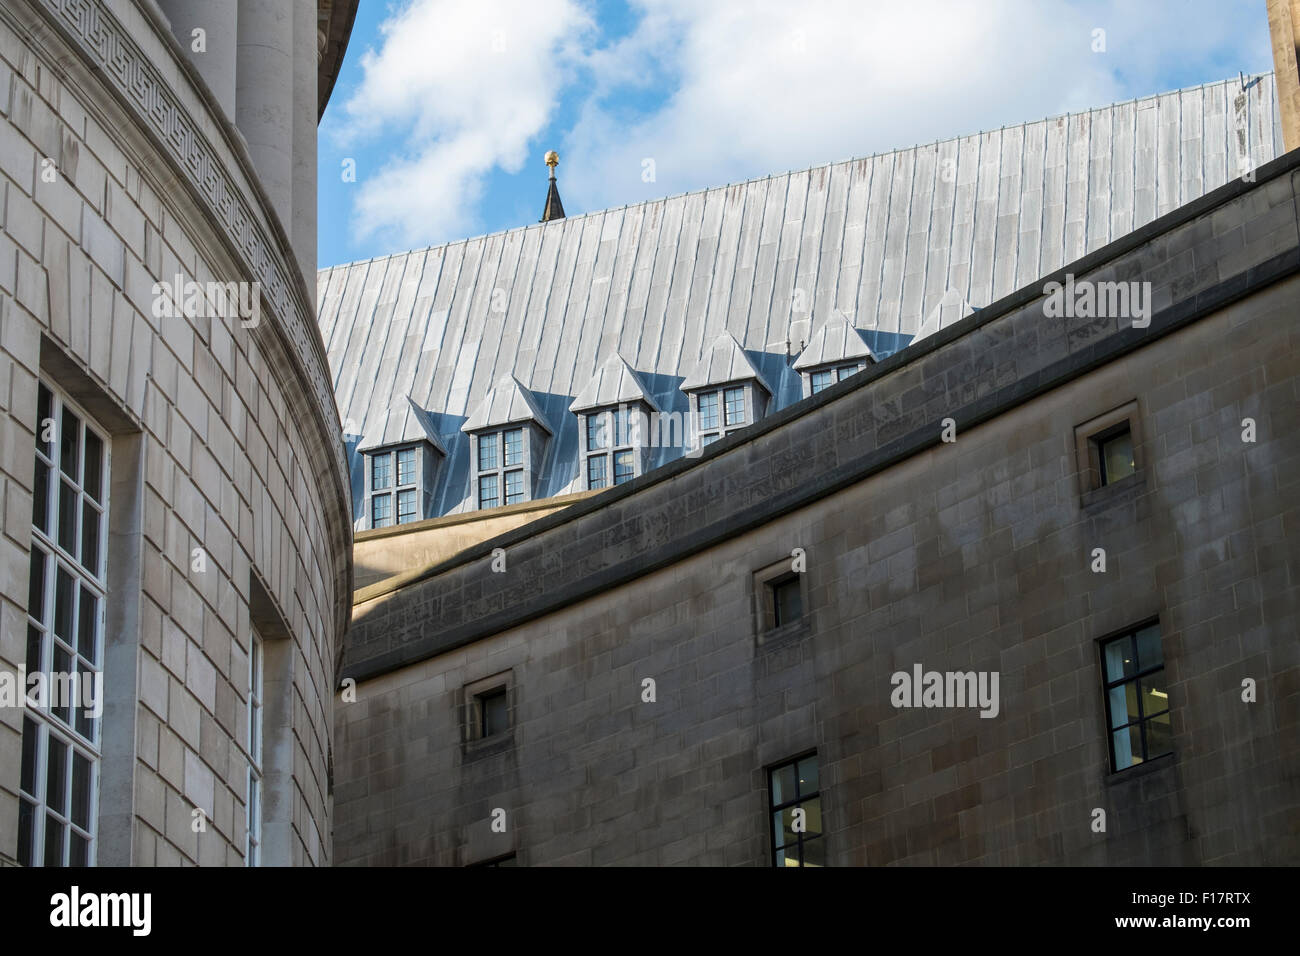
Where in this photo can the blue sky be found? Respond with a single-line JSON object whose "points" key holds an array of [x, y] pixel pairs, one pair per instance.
{"points": [[447, 107]]}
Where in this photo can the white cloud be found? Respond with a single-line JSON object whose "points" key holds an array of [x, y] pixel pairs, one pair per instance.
{"points": [[464, 85], [760, 86]]}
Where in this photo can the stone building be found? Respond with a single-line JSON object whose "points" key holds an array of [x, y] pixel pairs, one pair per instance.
{"points": [[1081, 517], [175, 527]]}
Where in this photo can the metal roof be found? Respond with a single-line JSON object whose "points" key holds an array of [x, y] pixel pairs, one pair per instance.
{"points": [[883, 239], [835, 341], [508, 403], [615, 383], [724, 362]]}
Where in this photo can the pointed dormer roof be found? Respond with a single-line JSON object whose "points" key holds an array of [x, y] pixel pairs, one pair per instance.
{"points": [[951, 308], [506, 403], [836, 341], [554, 209], [402, 423], [615, 383], [723, 363]]}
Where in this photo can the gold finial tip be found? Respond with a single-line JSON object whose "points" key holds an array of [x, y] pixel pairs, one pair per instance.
{"points": [[552, 158]]}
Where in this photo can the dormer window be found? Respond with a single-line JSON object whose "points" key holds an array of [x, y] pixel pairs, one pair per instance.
{"points": [[726, 391], [722, 412], [501, 478], [835, 351], [509, 434], [396, 486], [612, 446], [826, 377]]}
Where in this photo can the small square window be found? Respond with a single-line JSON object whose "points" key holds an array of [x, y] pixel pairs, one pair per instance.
{"points": [[381, 511], [623, 467], [1137, 697], [514, 487], [487, 451], [1116, 456], [735, 398], [787, 603], [493, 713], [381, 471], [488, 491], [820, 381], [708, 410], [405, 466], [596, 472], [406, 511], [780, 603], [514, 447]]}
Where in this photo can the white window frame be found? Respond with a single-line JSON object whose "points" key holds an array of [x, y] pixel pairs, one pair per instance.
{"points": [[44, 721]]}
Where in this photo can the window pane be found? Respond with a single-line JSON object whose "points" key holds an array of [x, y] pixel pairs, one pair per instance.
{"points": [[78, 851], [495, 713], [1123, 704], [622, 426], [1117, 457], [783, 827], [595, 431], [708, 410], [381, 511], [53, 841], [596, 471], [90, 519], [808, 779], [67, 517], [1150, 654], [812, 820], [64, 600], [381, 471], [783, 784], [69, 443], [1119, 659], [814, 852], [1155, 693], [36, 587], [87, 621], [406, 506], [41, 497], [406, 466], [784, 859], [709, 439], [487, 491], [26, 821], [623, 470], [44, 406], [487, 451], [31, 742], [56, 769], [60, 684], [787, 601], [1160, 736], [35, 659], [735, 406], [86, 693], [820, 381], [94, 467], [80, 791], [845, 371], [514, 486], [1128, 746], [514, 447]]}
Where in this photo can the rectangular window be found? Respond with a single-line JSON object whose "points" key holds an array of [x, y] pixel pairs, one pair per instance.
{"points": [[623, 468], [622, 426], [488, 491], [381, 511], [796, 814], [1116, 456], [514, 447], [381, 471], [493, 712], [596, 431], [487, 451], [708, 410], [844, 371], [787, 604], [406, 512], [405, 466], [820, 381], [514, 487], [1137, 697], [253, 838], [59, 780], [596, 472], [735, 406]]}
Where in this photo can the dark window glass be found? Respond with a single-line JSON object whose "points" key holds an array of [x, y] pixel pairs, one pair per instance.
{"points": [[35, 659], [494, 713], [41, 498], [94, 467], [381, 511], [60, 686], [78, 850], [81, 778], [56, 797], [514, 447], [44, 406], [1137, 698], [67, 517], [596, 471], [90, 538], [87, 614], [796, 814], [381, 471], [31, 743], [1116, 457], [26, 820], [787, 601], [65, 595], [69, 442], [36, 586], [53, 841]]}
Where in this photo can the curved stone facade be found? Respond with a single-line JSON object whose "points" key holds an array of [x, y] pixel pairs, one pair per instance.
{"points": [[153, 283]]}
